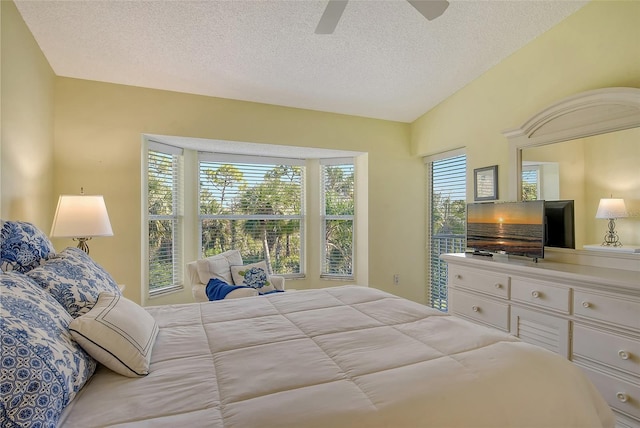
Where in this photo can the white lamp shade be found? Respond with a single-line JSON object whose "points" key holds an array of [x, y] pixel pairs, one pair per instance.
{"points": [[611, 208], [81, 216]]}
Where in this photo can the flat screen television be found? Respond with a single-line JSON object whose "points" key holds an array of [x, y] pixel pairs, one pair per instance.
{"points": [[559, 224], [515, 228]]}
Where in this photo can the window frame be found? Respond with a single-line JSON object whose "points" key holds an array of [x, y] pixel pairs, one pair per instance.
{"points": [[437, 292], [234, 159], [533, 168], [324, 218], [176, 217]]}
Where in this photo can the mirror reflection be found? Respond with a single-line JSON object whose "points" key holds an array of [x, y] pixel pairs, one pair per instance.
{"points": [[587, 170]]}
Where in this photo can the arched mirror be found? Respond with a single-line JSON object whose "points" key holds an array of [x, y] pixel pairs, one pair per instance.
{"points": [[583, 148]]}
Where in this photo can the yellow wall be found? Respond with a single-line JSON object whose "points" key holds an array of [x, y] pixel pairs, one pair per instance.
{"points": [[98, 146], [26, 150], [96, 140], [594, 48]]}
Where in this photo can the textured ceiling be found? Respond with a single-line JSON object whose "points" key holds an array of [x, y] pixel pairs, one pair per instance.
{"points": [[384, 59]]}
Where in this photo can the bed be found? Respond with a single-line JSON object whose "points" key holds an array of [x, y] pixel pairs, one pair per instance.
{"points": [[346, 356], [338, 357]]}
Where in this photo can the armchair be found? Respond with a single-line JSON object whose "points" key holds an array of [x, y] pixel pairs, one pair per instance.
{"points": [[219, 266]]}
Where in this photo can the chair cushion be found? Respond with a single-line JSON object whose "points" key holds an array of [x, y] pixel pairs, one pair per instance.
{"points": [[23, 246], [254, 275], [118, 333], [218, 266]]}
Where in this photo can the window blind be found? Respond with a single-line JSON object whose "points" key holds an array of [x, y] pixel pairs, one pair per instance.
{"points": [[254, 207], [447, 207], [338, 206], [164, 199]]}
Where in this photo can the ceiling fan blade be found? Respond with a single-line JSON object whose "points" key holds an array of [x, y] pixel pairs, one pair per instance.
{"points": [[430, 9], [331, 16]]}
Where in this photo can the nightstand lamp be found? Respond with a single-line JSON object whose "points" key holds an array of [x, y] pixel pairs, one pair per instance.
{"points": [[81, 217], [611, 209]]}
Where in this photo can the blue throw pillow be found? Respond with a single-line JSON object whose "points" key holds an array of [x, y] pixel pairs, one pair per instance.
{"points": [[74, 280], [218, 289], [42, 367], [23, 246]]}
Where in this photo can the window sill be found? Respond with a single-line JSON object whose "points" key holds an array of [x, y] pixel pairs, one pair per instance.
{"points": [[337, 277], [165, 291]]}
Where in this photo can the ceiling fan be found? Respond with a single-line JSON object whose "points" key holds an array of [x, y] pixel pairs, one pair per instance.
{"points": [[430, 9]]}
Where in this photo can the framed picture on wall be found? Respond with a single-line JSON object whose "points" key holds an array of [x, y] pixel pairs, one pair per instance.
{"points": [[485, 183]]}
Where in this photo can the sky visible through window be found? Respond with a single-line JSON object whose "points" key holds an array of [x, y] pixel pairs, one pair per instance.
{"points": [[449, 179]]}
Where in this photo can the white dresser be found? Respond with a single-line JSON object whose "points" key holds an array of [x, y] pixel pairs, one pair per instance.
{"points": [[590, 315]]}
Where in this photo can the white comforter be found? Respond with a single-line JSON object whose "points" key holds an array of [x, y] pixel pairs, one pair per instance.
{"points": [[337, 357]]}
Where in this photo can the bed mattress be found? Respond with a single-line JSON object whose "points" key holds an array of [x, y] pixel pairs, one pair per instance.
{"points": [[337, 357]]}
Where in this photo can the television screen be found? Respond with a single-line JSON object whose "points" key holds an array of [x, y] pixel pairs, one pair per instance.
{"points": [[560, 229], [510, 228]]}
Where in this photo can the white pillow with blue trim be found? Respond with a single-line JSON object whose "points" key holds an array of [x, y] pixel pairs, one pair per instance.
{"points": [[74, 280], [118, 333], [42, 367]]}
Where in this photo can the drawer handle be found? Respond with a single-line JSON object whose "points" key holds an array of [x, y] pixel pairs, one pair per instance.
{"points": [[535, 294], [586, 304], [498, 285], [458, 276], [622, 397], [475, 308], [623, 354]]}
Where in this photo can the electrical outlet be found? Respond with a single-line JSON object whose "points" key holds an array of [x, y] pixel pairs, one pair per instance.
{"points": [[396, 279]]}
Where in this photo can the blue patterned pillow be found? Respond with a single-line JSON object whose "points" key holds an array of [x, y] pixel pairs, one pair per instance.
{"points": [[254, 275], [74, 280], [23, 246], [42, 367]]}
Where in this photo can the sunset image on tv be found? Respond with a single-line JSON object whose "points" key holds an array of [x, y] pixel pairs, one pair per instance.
{"points": [[510, 227]]}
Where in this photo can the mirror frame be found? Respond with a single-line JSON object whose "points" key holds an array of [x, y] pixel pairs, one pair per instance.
{"points": [[588, 113]]}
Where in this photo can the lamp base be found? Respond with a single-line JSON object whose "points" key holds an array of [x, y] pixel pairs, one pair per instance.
{"points": [[82, 244], [611, 237]]}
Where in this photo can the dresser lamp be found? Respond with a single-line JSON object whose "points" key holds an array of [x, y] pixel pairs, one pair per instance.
{"points": [[611, 209], [81, 217]]}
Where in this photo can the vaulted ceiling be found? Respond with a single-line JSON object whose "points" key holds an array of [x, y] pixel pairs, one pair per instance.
{"points": [[384, 60]]}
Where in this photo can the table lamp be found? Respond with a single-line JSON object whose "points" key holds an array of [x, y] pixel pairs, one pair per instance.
{"points": [[611, 208], [81, 217]]}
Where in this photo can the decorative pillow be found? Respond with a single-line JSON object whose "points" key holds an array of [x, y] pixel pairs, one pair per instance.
{"points": [[74, 280], [218, 290], [254, 275], [42, 367], [23, 246], [118, 333], [218, 266]]}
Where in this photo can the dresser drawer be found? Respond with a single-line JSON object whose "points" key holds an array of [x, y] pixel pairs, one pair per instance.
{"points": [[620, 395], [540, 294], [495, 284], [611, 350], [608, 309], [480, 309]]}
